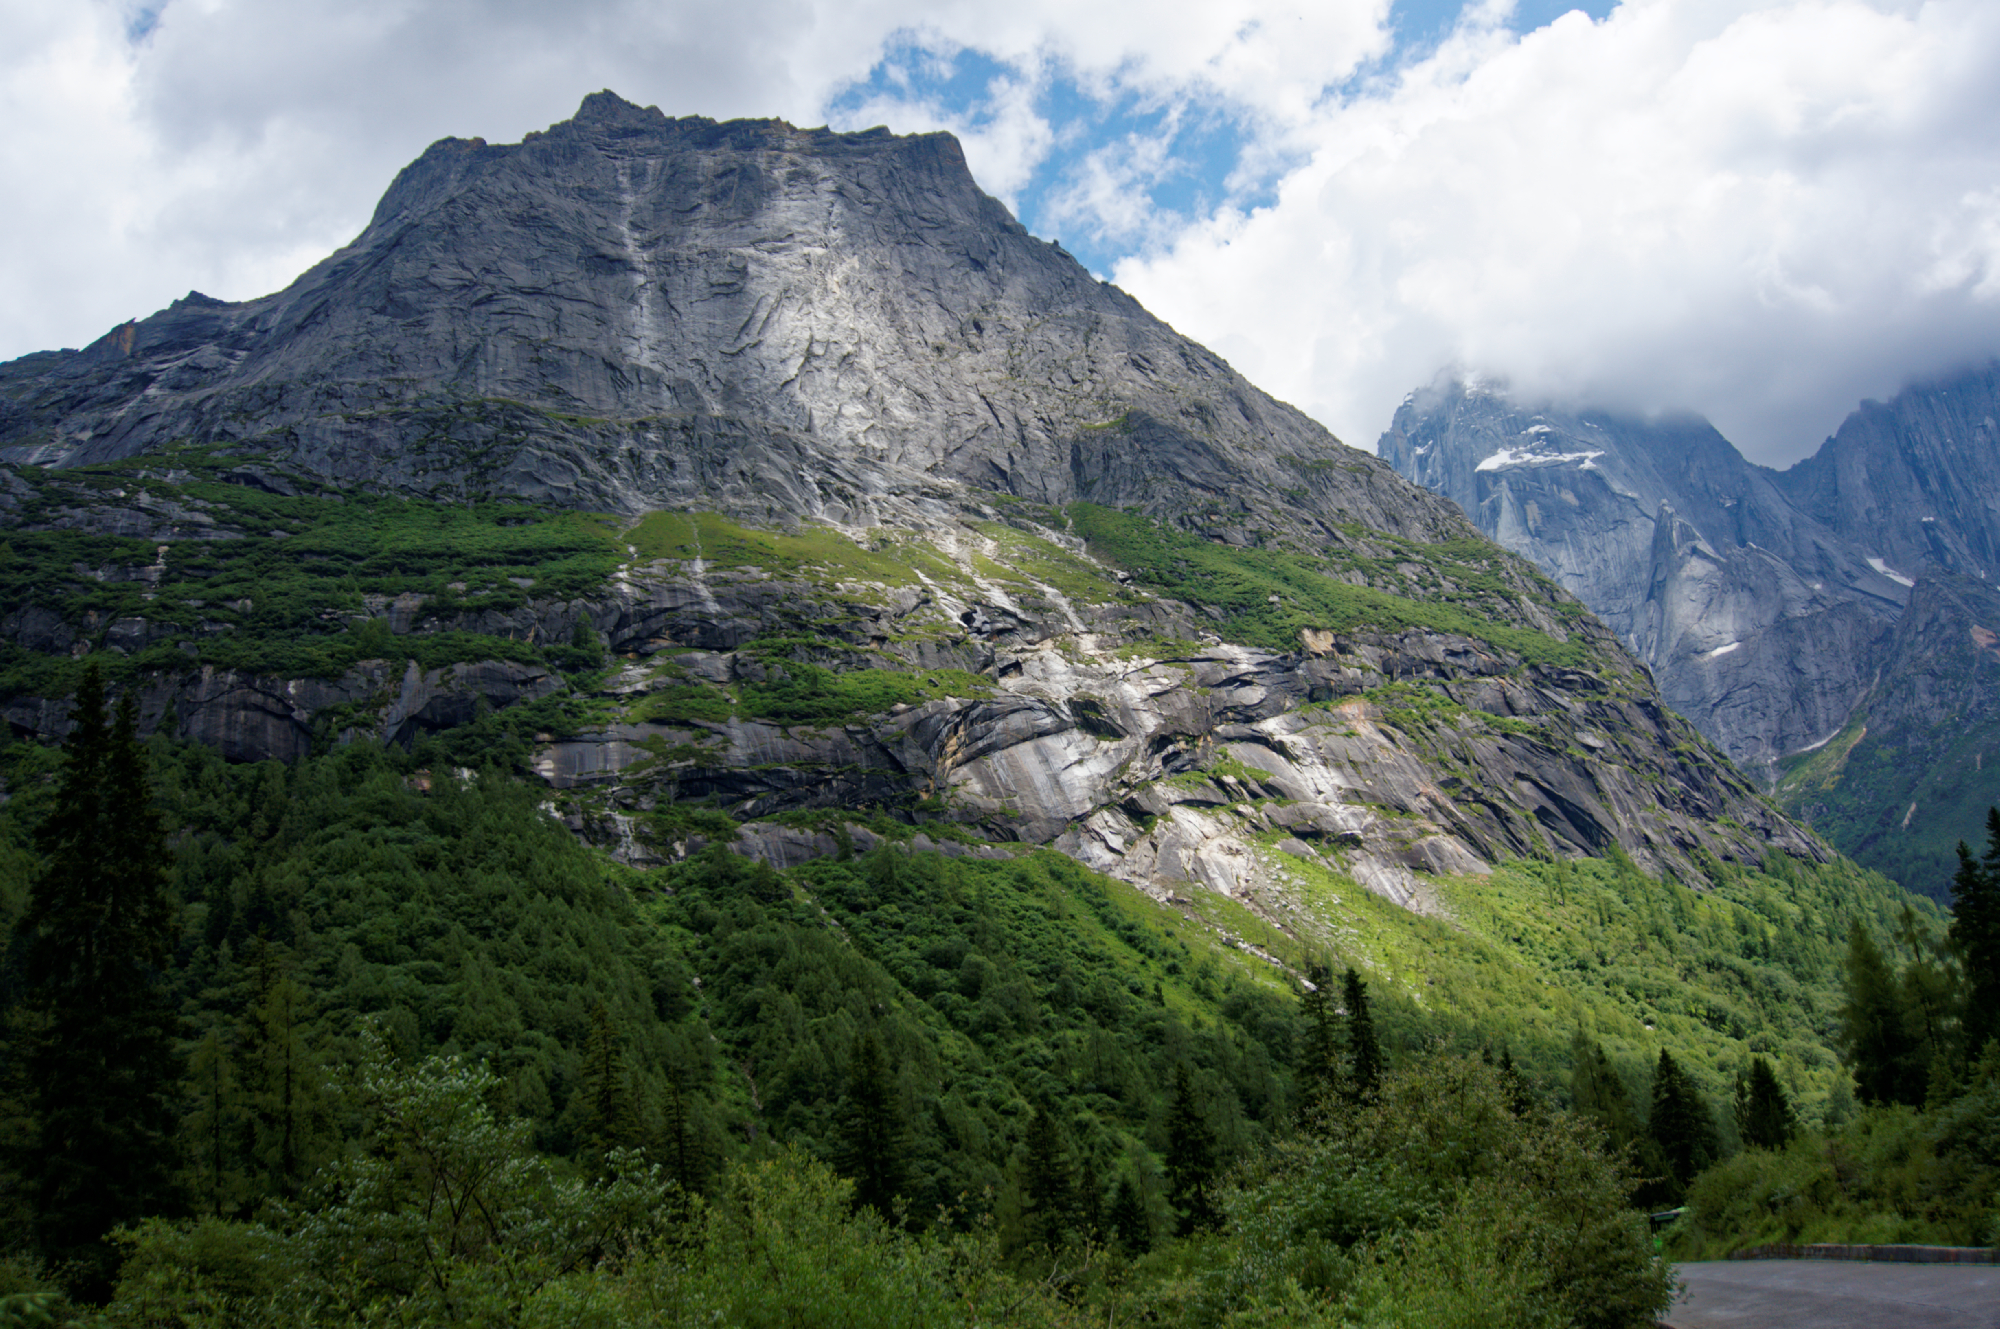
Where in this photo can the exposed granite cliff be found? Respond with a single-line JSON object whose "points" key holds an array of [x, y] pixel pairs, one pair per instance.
{"points": [[1771, 605], [911, 515]]}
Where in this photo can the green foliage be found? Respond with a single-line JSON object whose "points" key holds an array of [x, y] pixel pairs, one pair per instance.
{"points": [[1436, 1203], [1890, 1063], [1764, 1116], [1975, 934], [1364, 1054], [1681, 1126], [1891, 1175], [95, 1032], [1267, 597], [280, 598]]}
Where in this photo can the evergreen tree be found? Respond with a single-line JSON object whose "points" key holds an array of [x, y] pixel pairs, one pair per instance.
{"points": [[609, 1118], [1320, 1071], [1128, 1218], [1090, 1202], [1600, 1093], [1680, 1125], [1975, 934], [98, 1033], [214, 1132], [285, 1092], [1764, 1116], [1047, 1196], [871, 1129], [1874, 1033], [1191, 1162], [681, 1150], [1364, 1054]]}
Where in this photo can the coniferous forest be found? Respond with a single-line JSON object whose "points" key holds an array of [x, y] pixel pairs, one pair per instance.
{"points": [[373, 1039]]}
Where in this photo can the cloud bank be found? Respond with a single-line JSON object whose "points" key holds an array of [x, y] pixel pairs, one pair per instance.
{"points": [[1763, 213], [1759, 211]]}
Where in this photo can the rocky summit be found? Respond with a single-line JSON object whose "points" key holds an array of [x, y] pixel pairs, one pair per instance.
{"points": [[780, 474], [1826, 625]]}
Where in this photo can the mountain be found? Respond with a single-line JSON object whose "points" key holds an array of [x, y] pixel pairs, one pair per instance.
{"points": [[717, 626], [1767, 603], [1079, 558]]}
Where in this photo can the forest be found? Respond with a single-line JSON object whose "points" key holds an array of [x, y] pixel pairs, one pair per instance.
{"points": [[372, 1038]]}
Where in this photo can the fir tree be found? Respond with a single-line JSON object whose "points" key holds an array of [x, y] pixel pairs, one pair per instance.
{"points": [[871, 1129], [98, 1037], [610, 1119], [214, 1132], [1319, 1047], [1364, 1054], [1681, 1126], [1975, 934], [1600, 1093], [1764, 1116], [1191, 1163], [1128, 1218], [285, 1093], [1874, 1033], [1048, 1197]]}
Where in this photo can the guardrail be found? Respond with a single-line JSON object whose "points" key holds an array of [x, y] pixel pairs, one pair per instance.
{"points": [[1784, 1250]]}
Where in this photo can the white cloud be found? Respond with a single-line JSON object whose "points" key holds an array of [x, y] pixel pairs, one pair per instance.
{"points": [[1762, 212], [242, 139]]}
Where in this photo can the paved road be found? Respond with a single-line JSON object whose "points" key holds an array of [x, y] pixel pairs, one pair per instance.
{"points": [[1837, 1294]]}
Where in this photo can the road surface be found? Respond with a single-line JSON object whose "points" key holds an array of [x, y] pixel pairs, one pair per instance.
{"points": [[1836, 1294]]}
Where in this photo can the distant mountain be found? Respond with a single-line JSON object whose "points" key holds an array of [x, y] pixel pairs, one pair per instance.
{"points": [[1767, 603]]}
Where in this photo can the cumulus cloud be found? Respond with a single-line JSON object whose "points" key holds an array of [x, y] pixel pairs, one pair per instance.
{"points": [[226, 144], [1759, 209], [1761, 212]]}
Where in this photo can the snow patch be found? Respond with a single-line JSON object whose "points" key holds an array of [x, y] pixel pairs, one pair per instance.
{"points": [[1890, 572], [1721, 650], [1507, 457]]}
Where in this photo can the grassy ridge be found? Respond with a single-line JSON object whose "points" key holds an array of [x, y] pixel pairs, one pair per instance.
{"points": [[1267, 597]]}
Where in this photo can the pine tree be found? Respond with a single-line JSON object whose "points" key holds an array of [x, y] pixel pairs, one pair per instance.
{"points": [[1681, 1125], [1319, 1047], [1090, 1202], [100, 1028], [1874, 1033], [871, 1129], [1600, 1093], [1364, 1054], [1975, 934], [1047, 1194], [214, 1132], [1128, 1218], [1764, 1116], [609, 1118], [1191, 1163], [285, 1092]]}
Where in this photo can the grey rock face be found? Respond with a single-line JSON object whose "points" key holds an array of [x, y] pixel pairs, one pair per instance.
{"points": [[791, 327], [1758, 619], [632, 312], [1772, 605]]}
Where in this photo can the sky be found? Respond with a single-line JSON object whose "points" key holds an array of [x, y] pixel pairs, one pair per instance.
{"points": [[1760, 211]]}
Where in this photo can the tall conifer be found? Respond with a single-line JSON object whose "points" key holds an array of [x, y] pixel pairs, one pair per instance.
{"points": [[1191, 1162], [1048, 1194], [1764, 1116], [1681, 1125], [872, 1133], [1364, 1053], [100, 1027], [1975, 933], [1874, 1033]]}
